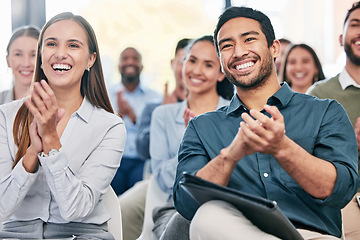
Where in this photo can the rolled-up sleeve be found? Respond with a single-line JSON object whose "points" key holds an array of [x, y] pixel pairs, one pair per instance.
{"points": [[336, 142]]}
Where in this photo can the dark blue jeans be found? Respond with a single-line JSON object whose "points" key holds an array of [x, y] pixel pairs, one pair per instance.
{"points": [[131, 170]]}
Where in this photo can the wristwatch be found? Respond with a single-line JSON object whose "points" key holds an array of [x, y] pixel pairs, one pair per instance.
{"points": [[51, 153]]}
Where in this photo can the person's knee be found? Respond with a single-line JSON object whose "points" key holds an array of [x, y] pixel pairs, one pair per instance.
{"points": [[177, 228], [205, 219]]}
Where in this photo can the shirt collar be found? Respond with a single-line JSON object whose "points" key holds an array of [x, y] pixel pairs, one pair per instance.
{"points": [[85, 110], [280, 99], [346, 80]]}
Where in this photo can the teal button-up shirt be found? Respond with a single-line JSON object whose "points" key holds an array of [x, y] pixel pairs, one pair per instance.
{"points": [[321, 127]]}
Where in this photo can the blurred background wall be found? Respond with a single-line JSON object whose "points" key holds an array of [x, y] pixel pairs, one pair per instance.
{"points": [[154, 27]]}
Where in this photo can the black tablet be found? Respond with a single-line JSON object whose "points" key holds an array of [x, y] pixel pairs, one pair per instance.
{"points": [[263, 213]]}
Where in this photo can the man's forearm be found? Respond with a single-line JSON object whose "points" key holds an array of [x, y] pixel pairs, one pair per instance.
{"points": [[316, 176], [219, 169]]}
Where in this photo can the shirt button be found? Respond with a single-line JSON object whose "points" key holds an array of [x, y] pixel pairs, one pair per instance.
{"points": [[266, 174]]}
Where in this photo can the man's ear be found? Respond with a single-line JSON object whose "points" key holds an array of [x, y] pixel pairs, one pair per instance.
{"points": [[341, 40], [275, 48]]}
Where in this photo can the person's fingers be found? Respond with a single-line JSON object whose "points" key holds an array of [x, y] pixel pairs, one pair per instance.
{"points": [[250, 137], [254, 124], [31, 103], [166, 85], [274, 112]]}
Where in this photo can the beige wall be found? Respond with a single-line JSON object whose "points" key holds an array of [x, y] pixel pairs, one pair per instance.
{"points": [[341, 7], [318, 23]]}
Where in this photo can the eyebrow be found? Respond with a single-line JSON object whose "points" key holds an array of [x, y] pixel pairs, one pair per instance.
{"points": [[354, 20], [206, 61], [242, 35], [70, 40]]}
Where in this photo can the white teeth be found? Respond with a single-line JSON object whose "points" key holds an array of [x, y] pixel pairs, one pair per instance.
{"points": [[25, 72], [61, 67], [244, 65], [299, 75], [196, 80], [357, 43]]}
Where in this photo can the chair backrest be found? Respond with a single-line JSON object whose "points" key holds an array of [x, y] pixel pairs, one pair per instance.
{"points": [[155, 197], [112, 204], [342, 232]]}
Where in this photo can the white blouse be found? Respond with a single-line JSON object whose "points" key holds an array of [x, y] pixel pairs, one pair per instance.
{"points": [[68, 185]]}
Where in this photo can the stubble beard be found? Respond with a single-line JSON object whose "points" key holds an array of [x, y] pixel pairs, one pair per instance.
{"points": [[255, 82], [130, 78], [350, 54]]}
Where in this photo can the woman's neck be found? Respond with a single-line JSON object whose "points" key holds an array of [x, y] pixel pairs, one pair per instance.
{"points": [[70, 104], [68, 100], [202, 103]]}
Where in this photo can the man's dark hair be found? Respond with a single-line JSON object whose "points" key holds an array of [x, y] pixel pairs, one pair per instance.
{"points": [[235, 12], [182, 43], [355, 6]]}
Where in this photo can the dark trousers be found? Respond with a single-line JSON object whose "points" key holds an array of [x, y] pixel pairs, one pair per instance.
{"points": [[169, 224], [131, 170]]}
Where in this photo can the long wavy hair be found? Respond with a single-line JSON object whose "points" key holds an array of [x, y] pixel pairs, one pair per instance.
{"points": [[92, 83]]}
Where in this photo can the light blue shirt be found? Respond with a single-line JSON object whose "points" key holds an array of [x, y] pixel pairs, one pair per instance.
{"points": [[166, 131], [68, 185], [7, 96], [137, 99]]}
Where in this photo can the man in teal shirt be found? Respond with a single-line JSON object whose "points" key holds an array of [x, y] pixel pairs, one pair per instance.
{"points": [[269, 141]]}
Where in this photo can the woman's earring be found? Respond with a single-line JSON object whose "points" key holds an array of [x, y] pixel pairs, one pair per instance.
{"points": [[88, 69], [41, 66]]}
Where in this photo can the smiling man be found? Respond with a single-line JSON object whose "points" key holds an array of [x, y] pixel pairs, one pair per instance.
{"points": [[129, 99], [269, 141], [345, 88]]}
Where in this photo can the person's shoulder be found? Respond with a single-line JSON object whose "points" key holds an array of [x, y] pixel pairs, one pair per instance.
{"points": [[10, 109], [149, 91], [309, 98], [314, 102], [167, 108], [327, 82], [153, 104], [324, 86], [6, 96], [12, 105], [106, 117], [216, 115]]}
